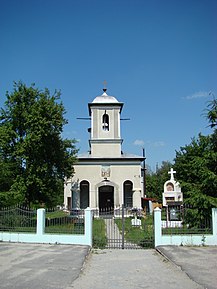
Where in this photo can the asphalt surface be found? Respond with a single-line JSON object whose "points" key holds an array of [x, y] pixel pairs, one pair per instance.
{"points": [[37, 266], [131, 269], [199, 263]]}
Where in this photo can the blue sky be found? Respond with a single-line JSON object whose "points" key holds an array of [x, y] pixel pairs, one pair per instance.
{"points": [[158, 57]]}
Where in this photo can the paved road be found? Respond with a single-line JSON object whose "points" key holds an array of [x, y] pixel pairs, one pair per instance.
{"points": [[131, 269], [36, 266], [199, 263]]}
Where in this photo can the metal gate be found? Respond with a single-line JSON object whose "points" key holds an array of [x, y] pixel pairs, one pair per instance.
{"points": [[122, 228]]}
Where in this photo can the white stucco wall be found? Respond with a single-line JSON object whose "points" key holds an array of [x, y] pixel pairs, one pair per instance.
{"points": [[119, 173], [102, 150]]}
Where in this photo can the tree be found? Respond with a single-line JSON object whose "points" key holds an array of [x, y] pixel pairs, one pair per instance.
{"points": [[211, 112], [31, 145], [7, 175], [197, 170], [155, 181]]}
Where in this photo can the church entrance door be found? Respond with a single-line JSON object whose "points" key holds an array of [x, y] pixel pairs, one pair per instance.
{"points": [[106, 199]]}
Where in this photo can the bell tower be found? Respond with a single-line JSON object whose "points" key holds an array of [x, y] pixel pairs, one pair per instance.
{"points": [[105, 135]]}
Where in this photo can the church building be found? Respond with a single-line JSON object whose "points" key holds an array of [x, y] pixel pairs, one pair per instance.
{"points": [[105, 177]]}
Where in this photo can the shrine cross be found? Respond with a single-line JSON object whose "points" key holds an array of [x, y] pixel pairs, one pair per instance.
{"points": [[105, 84], [172, 172]]}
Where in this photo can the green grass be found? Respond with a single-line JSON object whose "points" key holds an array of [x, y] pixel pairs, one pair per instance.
{"points": [[143, 236], [70, 228], [56, 214], [186, 231], [18, 229], [99, 233], [62, 223]]}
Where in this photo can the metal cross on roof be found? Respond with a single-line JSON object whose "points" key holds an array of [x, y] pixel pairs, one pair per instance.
{"points": [[105, 84], [172, 172]]}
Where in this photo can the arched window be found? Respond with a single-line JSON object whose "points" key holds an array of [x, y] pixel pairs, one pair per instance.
{"points": [[128, 194], [84, 194], [105, 122]]}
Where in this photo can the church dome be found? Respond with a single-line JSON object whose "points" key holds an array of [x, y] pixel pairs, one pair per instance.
{"points": [[105, 98]]}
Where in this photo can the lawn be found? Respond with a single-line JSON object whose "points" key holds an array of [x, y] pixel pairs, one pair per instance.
{"points": [[143, 236], [99, 233]]}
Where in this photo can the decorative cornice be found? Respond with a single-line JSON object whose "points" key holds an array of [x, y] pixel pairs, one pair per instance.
{"points": [[109, 161], [102, 140]]}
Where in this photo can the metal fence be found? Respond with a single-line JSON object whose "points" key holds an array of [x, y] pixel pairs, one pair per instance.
{"points": [[122, 228], [23, 219], [18, 219], [64, 222], [184, 220]]}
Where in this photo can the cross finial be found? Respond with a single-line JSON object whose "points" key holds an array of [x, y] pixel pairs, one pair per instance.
{"points": [[105, 84], [172, 172]]}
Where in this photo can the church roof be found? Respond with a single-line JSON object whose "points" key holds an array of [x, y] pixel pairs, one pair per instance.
{"points": [[105, 98], [124, 156]]}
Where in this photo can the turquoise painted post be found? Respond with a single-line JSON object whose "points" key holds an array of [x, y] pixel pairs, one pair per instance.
{"points": [[214, 221], [157, 227], [88, 226], [40, 222]]}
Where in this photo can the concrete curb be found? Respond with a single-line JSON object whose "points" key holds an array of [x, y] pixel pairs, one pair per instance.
{"points": [[158, 249], [167, 258], [86, 257]]}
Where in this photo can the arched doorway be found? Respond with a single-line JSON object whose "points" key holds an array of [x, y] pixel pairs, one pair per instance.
{"points": [[84, 194], [106, 198], [128, 194]]}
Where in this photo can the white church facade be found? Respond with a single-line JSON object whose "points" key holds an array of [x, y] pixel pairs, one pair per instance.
{"points": [[105, 177]]}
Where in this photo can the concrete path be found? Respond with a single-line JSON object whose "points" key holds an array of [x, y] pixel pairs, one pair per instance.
{"points": [[131, 269], [199, 263], [114, 236], [37, 266]]}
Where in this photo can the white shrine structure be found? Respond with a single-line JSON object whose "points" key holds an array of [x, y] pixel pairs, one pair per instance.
{"points": [[172, 194], [105, 177], [172, 201]]}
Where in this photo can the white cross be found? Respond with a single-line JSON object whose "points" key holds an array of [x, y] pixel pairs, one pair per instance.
{"points": [[171, 172]]}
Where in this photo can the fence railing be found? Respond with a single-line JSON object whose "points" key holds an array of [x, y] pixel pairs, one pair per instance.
{"points": [[64, 222], [117, 212], [19, 224], [184, 220], [55, 226], [189, 232], [18, 219], [122, 228]]}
